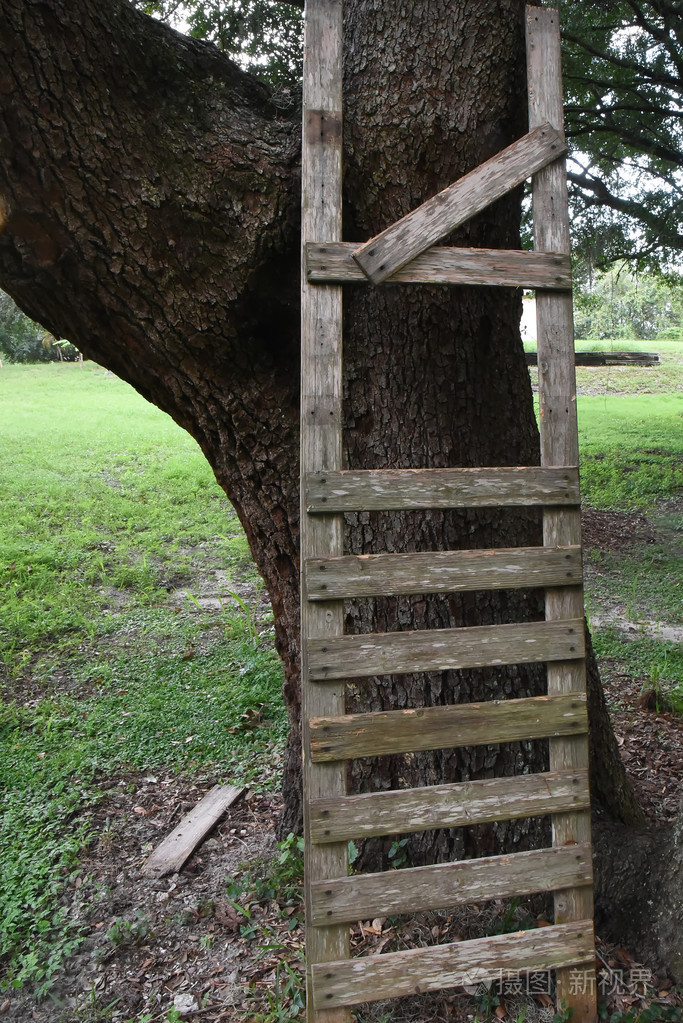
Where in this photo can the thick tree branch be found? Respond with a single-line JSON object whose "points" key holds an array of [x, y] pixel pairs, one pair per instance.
{"points": [[657, 77], [150, 206], [600, 194]]}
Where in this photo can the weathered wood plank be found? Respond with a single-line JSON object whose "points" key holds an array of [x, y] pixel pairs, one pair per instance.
{"points": [[372, 814], [559, 445], [440, 886], [442, 649], [395, 974], [606, 358], [391, 249], [321, 416], [469, 724], [176, 848], [367, 575], [406, 489], [448, 265]]}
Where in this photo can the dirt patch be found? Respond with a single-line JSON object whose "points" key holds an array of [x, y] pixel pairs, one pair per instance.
{"points": [[181, 941], [150, 944], [614, 530], [651, 744]]}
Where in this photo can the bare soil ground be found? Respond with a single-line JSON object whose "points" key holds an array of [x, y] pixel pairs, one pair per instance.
{"points": [[152, 945]]}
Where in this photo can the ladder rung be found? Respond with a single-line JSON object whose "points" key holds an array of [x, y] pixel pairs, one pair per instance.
{"points": [[418, 889], [407, 489], [419, 970], [478, 646], [468, 724], [447, 806], [368, 575], [329, 262]]}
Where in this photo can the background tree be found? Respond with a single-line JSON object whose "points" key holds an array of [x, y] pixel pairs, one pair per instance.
{"points": [[621, 303], [623, 73], [21, 340]]}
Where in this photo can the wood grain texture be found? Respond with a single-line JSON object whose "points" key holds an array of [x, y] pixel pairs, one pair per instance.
{"points": [[447, 806], [469, 724], [171, 854], [406, 489], [559, 445], [367, 575], [372, 978], [448, 265], [321, 415], [442, 885], [606, 358], [442, 649], [434, 219]]}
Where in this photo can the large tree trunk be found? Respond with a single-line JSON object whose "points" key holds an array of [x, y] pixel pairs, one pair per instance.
{"points": [[150, 213], [639, 890]]}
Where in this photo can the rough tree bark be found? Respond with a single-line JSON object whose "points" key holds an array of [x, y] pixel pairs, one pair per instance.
{"points": [[639, 890], [149, 208]]}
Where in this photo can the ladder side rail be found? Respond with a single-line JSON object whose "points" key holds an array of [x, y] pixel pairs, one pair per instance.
{"points": [[321, 329], [559, 446]]}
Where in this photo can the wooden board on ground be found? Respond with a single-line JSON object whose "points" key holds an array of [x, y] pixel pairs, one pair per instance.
{"points": [[606, 359], [176, 848]]}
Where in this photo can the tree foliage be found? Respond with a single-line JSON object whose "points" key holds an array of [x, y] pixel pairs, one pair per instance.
{"points": [[620, 303], [623, 64], [21, 340], [263, 36]]}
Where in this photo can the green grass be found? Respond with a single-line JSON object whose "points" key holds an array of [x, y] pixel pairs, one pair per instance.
{"points": [[630, 428], [107, 507], [656, 664], [631, 449], [102, 491]]}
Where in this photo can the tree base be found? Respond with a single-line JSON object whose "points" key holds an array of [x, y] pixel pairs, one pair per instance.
{"points": [[639, 891]]}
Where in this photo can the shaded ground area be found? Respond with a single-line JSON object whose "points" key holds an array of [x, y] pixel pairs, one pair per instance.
{"points": [[649, 734], [222, 940], [614, 530]]}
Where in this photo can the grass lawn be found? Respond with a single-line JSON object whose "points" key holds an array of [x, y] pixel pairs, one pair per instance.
{"points": [[134, 633]]}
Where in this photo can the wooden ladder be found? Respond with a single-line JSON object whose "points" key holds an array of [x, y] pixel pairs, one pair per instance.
{"points": [[330, 736]]}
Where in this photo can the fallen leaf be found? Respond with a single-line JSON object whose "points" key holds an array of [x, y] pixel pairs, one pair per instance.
{"points": [[227, 916]]}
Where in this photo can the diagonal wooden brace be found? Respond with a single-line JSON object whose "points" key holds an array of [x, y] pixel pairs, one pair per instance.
{"points": [[408, 237]]}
